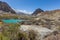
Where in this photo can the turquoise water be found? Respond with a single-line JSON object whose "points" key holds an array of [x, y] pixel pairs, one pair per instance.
{"points": [[12, 21]]}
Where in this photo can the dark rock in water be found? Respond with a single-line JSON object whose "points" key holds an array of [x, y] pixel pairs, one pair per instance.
{"points": [[37, 11], [5, 7]]}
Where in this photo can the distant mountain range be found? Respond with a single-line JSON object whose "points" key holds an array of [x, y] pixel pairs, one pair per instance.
{"points": [[6, 8]]}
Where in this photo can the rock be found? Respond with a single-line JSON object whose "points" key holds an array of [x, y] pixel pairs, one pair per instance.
{"points": [[5, 7], [53, 37], [37, 11], [41, 32]]}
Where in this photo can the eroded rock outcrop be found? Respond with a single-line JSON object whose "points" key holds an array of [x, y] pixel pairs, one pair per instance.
{"points": [[40, 32]]}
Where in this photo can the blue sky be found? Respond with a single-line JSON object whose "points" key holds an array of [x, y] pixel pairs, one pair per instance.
{"points": [[31, 5]]}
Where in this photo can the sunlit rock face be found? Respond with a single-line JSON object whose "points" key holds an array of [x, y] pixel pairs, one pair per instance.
{"points": [[40, 31]]}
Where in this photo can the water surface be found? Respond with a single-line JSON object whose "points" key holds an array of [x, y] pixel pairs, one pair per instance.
{"points": [[12, 20]]}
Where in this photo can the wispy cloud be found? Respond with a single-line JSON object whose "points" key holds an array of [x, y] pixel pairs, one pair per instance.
{"points": [[23, 11]]}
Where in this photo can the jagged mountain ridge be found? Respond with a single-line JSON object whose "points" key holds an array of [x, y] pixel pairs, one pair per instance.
{"points": [[5, 7]]}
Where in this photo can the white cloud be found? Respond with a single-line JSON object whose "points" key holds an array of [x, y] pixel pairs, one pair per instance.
{"points": [[23, 11]]}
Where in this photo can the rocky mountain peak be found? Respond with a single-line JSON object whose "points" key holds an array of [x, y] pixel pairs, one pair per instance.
{"points": [[37, 11], [5, 7]]}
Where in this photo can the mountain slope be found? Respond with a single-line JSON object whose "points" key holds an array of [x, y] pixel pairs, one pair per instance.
{"points": [[37, 11], [5, 7]]}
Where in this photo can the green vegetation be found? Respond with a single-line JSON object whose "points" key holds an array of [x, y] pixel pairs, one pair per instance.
{"points": [[12, 32], [8, 16], [2, 37], [27, 36]]}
